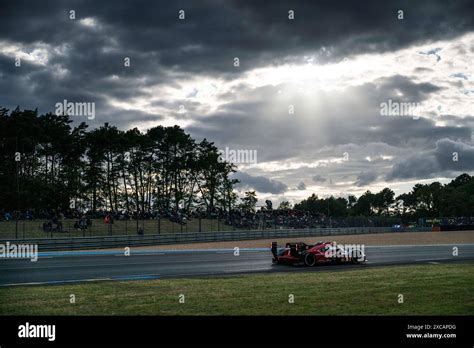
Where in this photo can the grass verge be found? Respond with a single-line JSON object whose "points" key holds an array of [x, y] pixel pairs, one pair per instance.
{"points": [[438, 289]]}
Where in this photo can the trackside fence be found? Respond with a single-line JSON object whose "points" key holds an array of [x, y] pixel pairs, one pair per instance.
{"points": [[102, 242]]}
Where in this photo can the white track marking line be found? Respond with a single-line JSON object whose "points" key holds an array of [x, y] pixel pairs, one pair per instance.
{"points": [[56, 282]]}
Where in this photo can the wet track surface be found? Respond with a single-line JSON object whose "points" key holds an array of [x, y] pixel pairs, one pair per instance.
{"points": [[57, 268]]}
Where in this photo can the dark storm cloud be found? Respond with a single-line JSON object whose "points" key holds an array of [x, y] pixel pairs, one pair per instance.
{"points": [[44, 91], [34, 86], [260, 32], [453, 155], [213, 33], [259, 183], [368, 26], [412, 91], [318, 178], [366, 178], [422, 69], [123, 119], [301, 186], [447, 156]]}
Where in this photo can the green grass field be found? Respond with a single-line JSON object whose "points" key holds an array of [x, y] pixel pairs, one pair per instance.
{"points": [[33, 229], [443, 289]]}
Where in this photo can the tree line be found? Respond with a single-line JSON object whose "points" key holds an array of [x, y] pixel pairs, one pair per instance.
{"points": [[433, 200], [48, 164]]}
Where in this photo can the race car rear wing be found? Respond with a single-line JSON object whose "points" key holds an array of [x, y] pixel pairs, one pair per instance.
{"points": [[295, 247], [274, 249]]}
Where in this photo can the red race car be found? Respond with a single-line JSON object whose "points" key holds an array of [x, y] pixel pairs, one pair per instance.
{"points": [[320, 253]]}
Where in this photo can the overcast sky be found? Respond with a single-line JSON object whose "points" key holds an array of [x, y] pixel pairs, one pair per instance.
{"points": [[306, 95]]}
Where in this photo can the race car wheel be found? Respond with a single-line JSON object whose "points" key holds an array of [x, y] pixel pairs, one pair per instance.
{"points": [[309, 260]]}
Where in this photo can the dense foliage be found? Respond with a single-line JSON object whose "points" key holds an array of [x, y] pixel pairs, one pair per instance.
{"points": [[433, 200], [63, 168]]}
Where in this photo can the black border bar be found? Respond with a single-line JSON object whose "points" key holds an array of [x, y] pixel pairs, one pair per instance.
{"points": [[333, 330]]}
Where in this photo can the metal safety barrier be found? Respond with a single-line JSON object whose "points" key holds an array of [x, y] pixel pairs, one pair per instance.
{"points": [[103, 242]]}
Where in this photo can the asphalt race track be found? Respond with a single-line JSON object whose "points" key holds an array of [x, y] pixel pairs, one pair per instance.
{"points": [[64, 267]]}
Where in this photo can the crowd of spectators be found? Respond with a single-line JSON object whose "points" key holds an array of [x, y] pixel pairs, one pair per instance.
{"points": [[236, 219], [457, 221], [265, 219]]}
